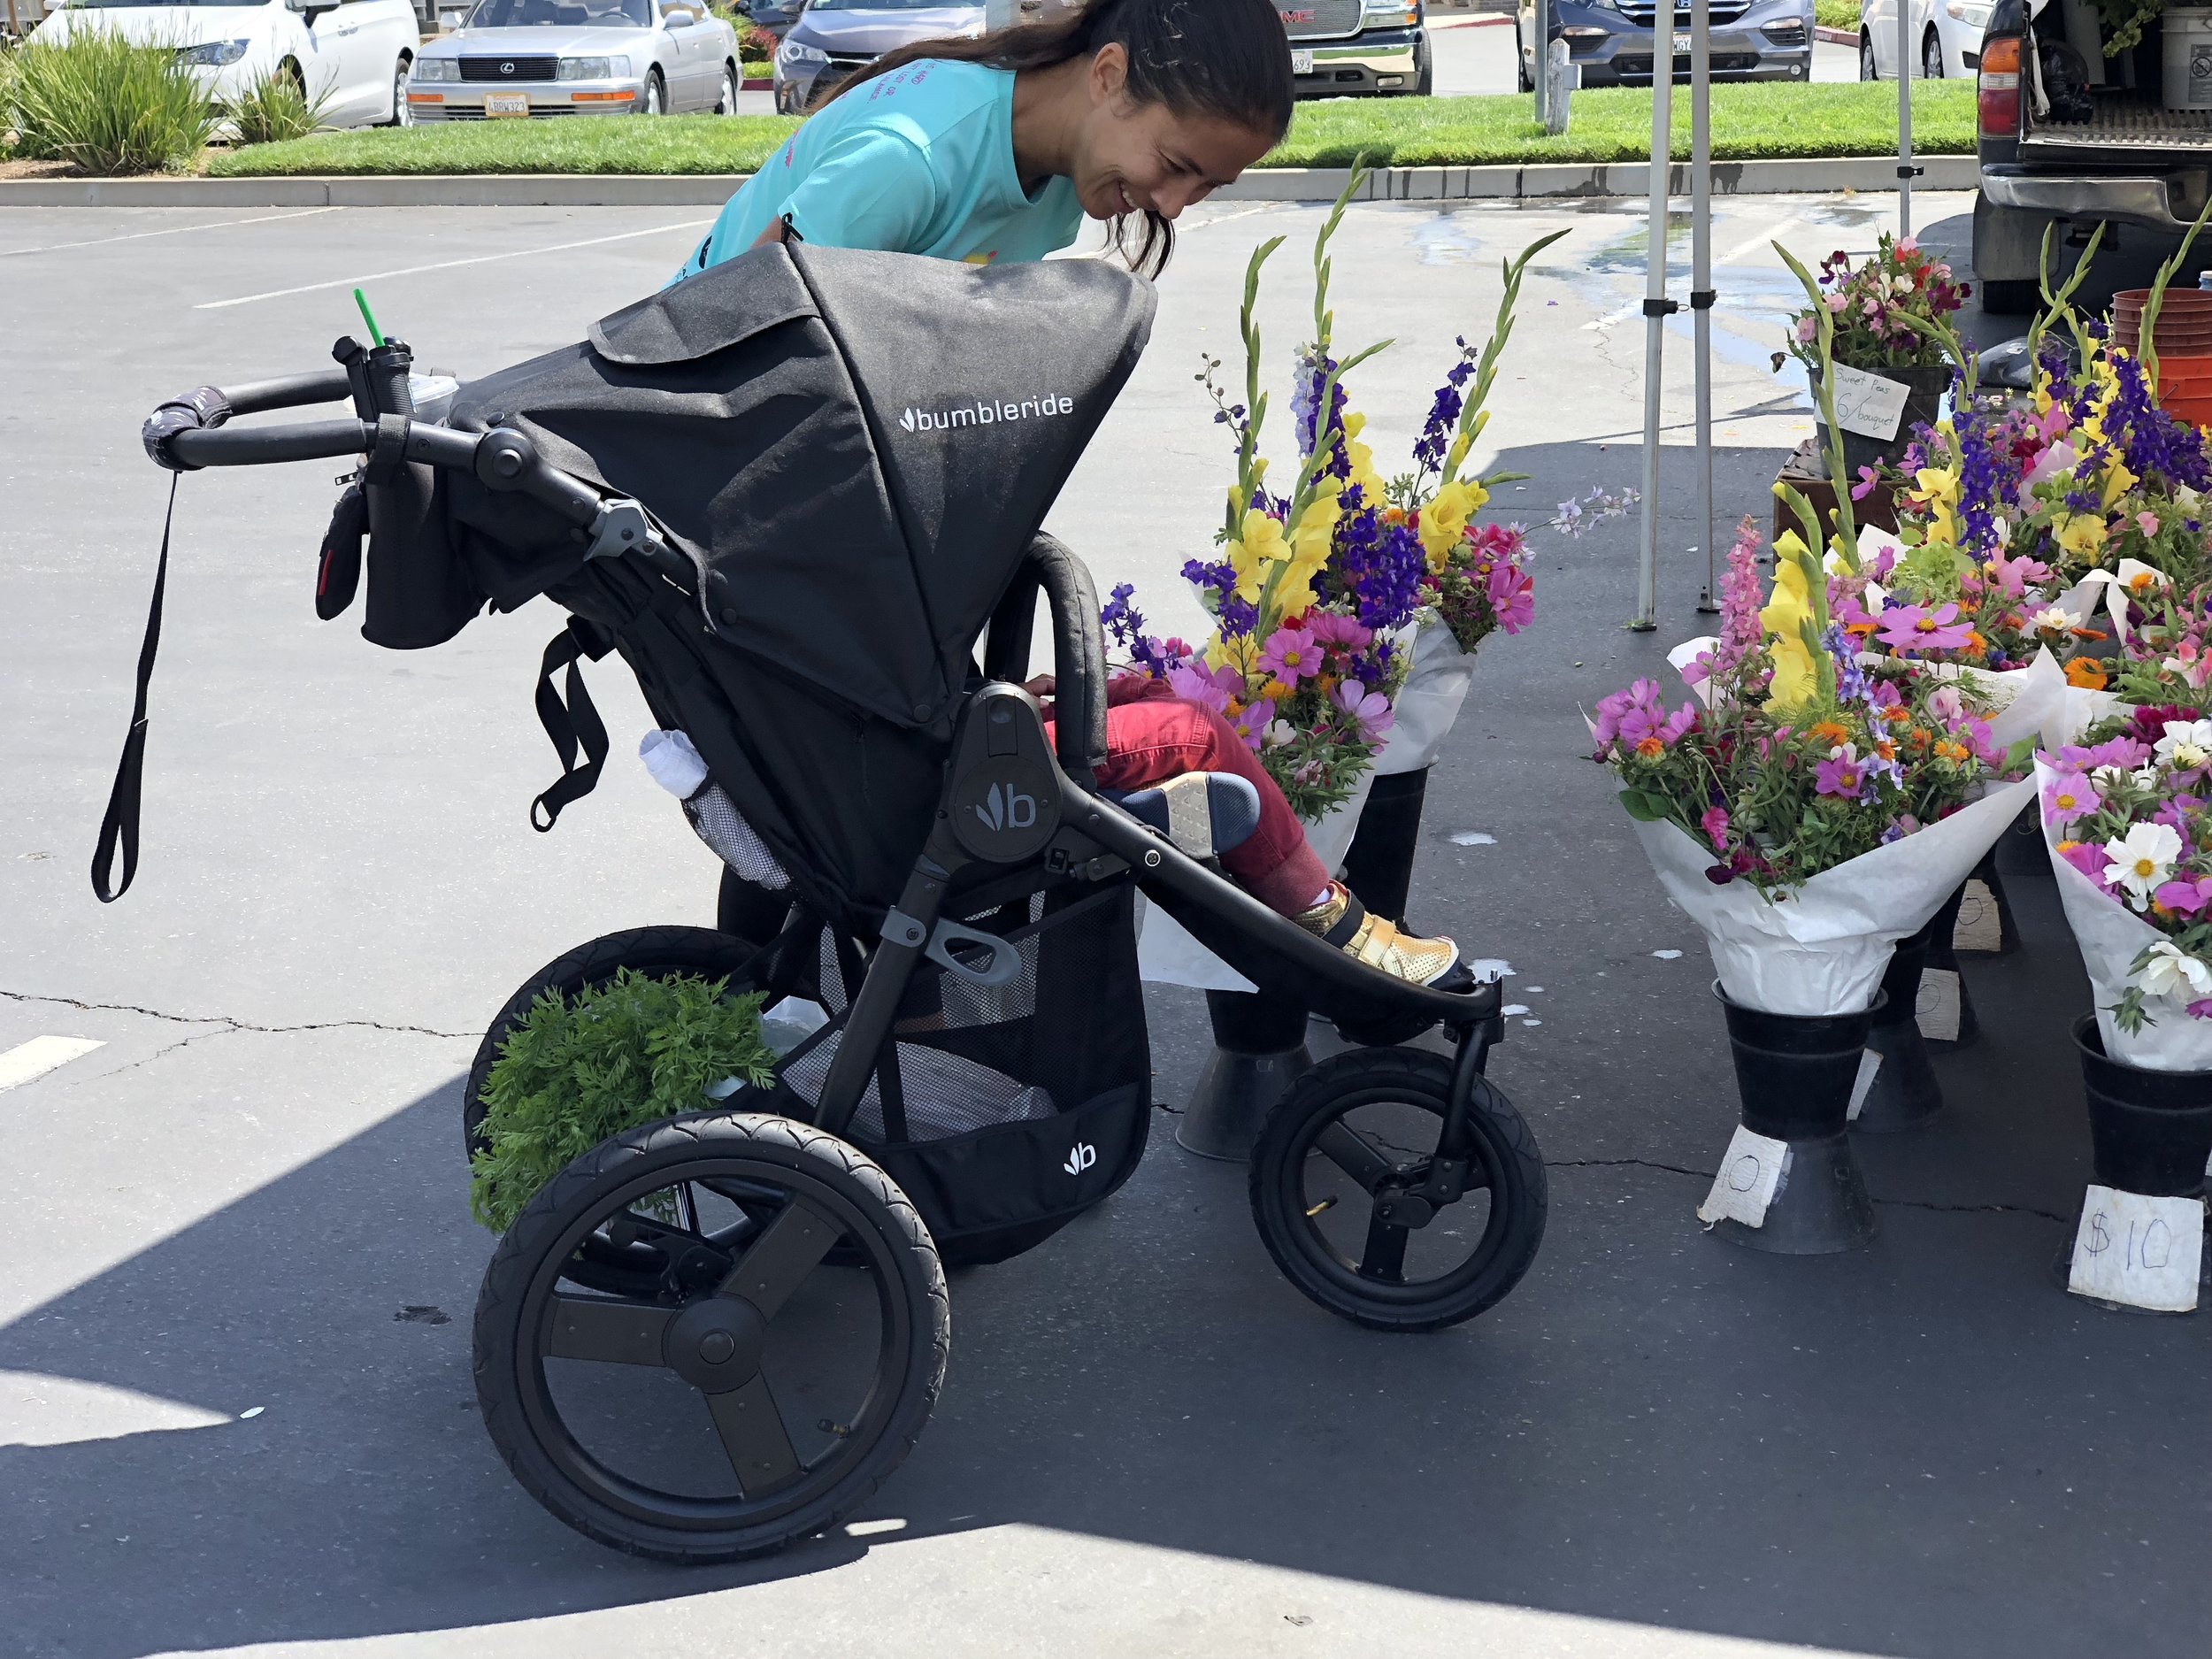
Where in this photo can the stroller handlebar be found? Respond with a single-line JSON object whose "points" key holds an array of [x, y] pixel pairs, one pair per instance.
{"points": [[311, 440], [289, 391]]}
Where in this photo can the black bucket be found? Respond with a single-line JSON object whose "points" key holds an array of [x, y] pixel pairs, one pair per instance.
{"points": [[1259, 1052], [1905, 1094], [1795, 1074], [2149, 1132], [1923, 398], [1378, 865]]}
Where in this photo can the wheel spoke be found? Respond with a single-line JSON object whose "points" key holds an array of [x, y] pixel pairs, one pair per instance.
{"points": [[1353, 1153], [1385, 1257], [791, 1247], [616, 1332], [754, 1436]]}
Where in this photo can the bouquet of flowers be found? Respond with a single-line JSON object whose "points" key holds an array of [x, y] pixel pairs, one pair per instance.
{"points": [[2124, 817], [1315, 589], [1879, 310]]}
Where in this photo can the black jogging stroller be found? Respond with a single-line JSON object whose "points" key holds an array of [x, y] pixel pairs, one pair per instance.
{"points": [[800, 495]]}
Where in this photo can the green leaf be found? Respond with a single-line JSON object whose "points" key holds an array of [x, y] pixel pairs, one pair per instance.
{"points": [[1643, 807]]}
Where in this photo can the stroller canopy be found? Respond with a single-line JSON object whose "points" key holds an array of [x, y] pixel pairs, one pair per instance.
{"points": [[857, 448]]}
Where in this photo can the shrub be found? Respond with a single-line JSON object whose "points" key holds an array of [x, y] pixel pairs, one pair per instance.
{"points": [[1837, 14], [277, 109], [572, 1073], [107, 104]]}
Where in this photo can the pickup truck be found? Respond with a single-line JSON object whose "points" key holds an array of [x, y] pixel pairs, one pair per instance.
{"points": [[1340, 48], [2069, 136]]}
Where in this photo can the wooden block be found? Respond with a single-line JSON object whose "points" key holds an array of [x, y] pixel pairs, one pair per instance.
{"points": [[1807, 474]]}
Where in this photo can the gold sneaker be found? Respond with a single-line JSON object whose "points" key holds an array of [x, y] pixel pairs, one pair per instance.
{"points": [[1341, 920]]}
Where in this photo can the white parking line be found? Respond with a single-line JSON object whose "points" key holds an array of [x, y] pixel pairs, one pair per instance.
{"points": [[40, 1056], [1761, 243], [173, 230], [447, 264]]}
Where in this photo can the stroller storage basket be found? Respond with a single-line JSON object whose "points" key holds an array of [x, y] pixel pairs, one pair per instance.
{"points": [[1010, 1108]]}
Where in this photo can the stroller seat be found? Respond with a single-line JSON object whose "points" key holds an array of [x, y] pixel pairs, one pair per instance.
{"points": [[1203, 813]]}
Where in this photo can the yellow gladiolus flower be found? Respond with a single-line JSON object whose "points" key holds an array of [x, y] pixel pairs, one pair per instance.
{"points": [[1460, 446], [1790, 603], [1938, 485], [2118, 482], [1444, 519], [1261, 545], [1794, 684]]}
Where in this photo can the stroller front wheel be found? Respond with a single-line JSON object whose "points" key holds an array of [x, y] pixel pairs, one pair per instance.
{"points": [[1338, 1184], [782, 1367]]}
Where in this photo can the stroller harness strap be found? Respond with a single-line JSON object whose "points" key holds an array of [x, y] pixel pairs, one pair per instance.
{"points": [[119, 827], [573, 725]]}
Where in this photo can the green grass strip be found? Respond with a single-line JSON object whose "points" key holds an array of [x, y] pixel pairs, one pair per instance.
{"points": [[1750, 122]]}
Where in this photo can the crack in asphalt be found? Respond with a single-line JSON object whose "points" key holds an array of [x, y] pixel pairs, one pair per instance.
{"points": [[229, 1024]]}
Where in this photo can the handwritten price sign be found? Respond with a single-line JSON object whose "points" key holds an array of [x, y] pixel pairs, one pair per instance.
{"points": [[1868, 405], [2143, 1252], [1750, 1174]]}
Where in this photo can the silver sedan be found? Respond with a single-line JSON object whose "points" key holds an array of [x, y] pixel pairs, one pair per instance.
{"points": [[543, 57]]}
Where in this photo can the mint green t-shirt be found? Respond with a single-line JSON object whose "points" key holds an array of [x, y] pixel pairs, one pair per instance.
{"points": [[920, 160]]}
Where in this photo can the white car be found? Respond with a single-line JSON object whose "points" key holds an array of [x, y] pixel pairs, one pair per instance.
{"points": [[355, 55], [1946, 38]]}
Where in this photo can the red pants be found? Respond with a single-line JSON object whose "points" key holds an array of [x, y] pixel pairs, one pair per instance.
{"points": [[1151, 735]]}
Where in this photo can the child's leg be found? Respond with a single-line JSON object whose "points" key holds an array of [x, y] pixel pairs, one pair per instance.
{"points": [[1152, 740]]}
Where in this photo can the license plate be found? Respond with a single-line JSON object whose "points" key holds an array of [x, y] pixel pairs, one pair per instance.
{"points": [[1681, 45], [506, 104], [1302, 62]]}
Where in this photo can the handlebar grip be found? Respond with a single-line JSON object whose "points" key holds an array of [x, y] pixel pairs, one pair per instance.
{"points": [[289, 391], [314, 441]]}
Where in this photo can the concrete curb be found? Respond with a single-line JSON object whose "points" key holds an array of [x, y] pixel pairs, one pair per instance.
{"points": [[1835, 37], [1283, 184]]}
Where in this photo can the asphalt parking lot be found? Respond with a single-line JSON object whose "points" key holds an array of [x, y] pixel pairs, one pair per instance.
{"points": [[235, 1407]]}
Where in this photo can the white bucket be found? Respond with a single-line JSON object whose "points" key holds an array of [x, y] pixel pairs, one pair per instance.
{"points": [[2188, 59]]}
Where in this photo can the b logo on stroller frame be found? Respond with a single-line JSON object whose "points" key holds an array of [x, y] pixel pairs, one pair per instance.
{"points": [[1081, 1157], [985, 413]]}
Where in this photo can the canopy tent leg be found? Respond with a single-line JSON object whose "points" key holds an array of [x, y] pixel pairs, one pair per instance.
{"points": [[1905, 169], [1656, 307], [1701, 292]]}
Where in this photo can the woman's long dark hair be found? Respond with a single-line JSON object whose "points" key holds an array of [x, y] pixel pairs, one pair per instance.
{"points": [[1226, 58]]}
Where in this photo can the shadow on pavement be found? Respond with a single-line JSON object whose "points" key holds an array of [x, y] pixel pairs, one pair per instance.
{"points": [[1924, 1449]]}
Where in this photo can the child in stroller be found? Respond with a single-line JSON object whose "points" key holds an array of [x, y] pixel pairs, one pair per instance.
{"points": [[717, 1333]]}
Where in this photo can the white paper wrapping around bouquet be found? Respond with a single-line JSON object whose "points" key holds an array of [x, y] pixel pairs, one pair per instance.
{"points": [[1428, 704], [2109, 936], [1166, 953], [1822, 949], [2028, 702]]}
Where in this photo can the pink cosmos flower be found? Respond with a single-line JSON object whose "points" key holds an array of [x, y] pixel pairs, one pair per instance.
{"points": [[1340, 633], [1512, 598], [1371, 708], [2068, 796], [2088, 857], [1291, 655], [1917, 628], [1868, 480], [1840, 774], [2012, 576], [1193, 682], [1252, 722]]}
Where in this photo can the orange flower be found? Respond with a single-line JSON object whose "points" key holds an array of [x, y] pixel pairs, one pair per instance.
{"points": [[1949, 750], [1884, 750], [2086, 673], [1897, 714], [1975, 643], [1829, 732], [1276, 692], [1650, 749], [1393, 515], [1917, 737]]}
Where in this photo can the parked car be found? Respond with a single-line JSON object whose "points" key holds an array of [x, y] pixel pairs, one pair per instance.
{"points": [[353, 56], [1613, 41], [1947, 36], [1342, 48], [2068, 138], [834, 38], [775, 16], [548, 58]]}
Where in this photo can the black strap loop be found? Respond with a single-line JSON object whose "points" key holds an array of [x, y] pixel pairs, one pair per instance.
{"points": [[573, 724], [118, 827], [1703, 299], [1661, 308]]}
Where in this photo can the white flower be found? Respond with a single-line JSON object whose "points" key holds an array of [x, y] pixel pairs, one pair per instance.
{"points": [[2187, 744], [2142, 860], [2187, 499], [2172, 972], [1279, 733], [2050, 619], [2145, 776], [2110, 776]]}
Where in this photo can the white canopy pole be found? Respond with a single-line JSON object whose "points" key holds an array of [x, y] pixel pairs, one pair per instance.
{"points": [[1656, 305], [1905, 169], [1701, 294]]}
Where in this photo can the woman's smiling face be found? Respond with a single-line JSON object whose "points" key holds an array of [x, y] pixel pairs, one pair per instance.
{"points": [[1133, 157]]}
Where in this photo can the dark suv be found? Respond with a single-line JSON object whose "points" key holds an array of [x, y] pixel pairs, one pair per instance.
{"points": [[1613, 43]]}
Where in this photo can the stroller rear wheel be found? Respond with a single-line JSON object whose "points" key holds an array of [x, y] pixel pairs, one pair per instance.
{"points": [[1345, 1190], [758, 1393]]}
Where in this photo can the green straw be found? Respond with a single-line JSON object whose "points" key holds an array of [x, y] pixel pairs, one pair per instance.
{"points": [[376, 337]]}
